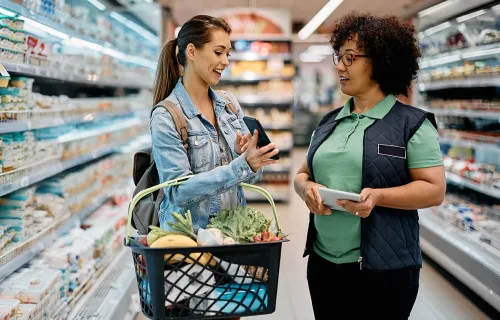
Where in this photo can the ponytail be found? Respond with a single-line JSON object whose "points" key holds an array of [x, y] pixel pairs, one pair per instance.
{"points": [[168, 73], [198, 31]]}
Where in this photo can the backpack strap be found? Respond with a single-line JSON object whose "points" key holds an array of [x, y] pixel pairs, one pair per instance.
{"points": [[229, 104], [179, 120]]}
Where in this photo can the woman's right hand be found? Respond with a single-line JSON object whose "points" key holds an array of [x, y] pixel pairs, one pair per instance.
{"points": [[312, 198], [258, 158]]}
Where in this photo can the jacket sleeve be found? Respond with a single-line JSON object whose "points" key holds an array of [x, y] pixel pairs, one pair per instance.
{"points": [[172, 162], [244, 130]]}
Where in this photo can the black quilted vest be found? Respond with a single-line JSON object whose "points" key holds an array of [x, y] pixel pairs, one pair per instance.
{"points": [[389, 237]]}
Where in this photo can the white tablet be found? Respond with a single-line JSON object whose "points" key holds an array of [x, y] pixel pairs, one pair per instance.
{"points": [[330, 197]]}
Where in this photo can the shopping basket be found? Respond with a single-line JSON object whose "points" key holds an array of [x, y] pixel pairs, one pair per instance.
{"points": [[210, 282]]}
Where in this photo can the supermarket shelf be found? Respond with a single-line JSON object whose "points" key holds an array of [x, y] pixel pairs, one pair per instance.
{"points": [[16, 257], [487, 190], [470, 260], [110, 295], [25, 125], [473, 82], [479, 52], [123, 125], [252, 56], [56, 168], [277, 168], [258, 100], [469, 144], [252, 77], [465, 113], [50, 73], [25, 12]]}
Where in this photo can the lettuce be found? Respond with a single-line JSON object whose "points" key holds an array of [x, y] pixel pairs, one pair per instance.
{"points": [[241, 223]]}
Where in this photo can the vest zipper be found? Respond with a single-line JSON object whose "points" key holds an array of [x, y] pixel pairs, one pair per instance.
{"points": [[360, 261]]}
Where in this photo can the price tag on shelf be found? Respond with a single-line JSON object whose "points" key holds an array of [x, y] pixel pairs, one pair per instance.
{"points": [[3, 71]]}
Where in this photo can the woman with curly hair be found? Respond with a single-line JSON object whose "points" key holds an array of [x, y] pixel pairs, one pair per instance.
{"points": [[365, 257]]}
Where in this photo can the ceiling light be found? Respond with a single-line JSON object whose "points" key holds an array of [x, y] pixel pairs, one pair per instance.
{"points": [[98, 4], [318, 19], [437, 28], [44, 28], [7, 13], [470, 16], [435, 8]]}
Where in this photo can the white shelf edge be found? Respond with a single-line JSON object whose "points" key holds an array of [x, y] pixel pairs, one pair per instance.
{"points": [[469, 144], [464, 113], [487, 190], [96, 132], [26, 125], [458, 54], [48, 73], [472, 82]]}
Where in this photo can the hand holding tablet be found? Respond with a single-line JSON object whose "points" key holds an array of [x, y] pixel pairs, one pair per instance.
{"points": [[330, 197]]}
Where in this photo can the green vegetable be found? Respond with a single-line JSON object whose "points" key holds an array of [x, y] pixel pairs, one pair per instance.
{"points": [[240, 223], [157, 233], [183, 225]]}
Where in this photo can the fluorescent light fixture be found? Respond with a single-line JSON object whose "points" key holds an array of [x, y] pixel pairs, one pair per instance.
{"points": [[7, 13], [82, 43], [318, 19], [470, 16], [437, 7], [480, 53], [437, 28], [320, 50], [98, 4], [44, 28]]}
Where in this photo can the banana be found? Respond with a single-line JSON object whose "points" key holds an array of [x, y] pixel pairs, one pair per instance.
{"points": [[181, 241]]}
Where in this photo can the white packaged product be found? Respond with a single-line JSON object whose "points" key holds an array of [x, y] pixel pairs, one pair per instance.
{"points": [[190, 284]]}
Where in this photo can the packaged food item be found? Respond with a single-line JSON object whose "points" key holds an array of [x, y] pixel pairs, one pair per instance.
{"points": [[19, 82], [26, 312], [19, 45], [6, 43], [6, 21], [6, 32], [17, 24], [10, 305], [4, 81]]}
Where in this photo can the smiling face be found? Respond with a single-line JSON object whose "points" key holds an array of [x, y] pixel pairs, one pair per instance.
{"points": [[212, 58], [355, 79]]}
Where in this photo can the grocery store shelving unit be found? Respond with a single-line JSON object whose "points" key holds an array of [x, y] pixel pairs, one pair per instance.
{"points": [[16, 255], [471, 260], [251, 101]]}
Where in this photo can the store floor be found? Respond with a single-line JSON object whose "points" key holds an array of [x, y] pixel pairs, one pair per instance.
{"points": [[437, 299]]}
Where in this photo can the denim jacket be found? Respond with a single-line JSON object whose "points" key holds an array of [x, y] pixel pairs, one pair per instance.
{"points": [[201, 194]]}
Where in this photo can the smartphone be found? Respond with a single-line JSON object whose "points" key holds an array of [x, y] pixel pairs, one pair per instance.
{"points": [[254, 124]]}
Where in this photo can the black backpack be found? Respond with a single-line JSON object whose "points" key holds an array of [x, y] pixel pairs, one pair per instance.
{"points": [[145, 174]]}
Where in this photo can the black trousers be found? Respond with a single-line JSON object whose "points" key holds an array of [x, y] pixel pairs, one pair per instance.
{"points": [[345, 292]]}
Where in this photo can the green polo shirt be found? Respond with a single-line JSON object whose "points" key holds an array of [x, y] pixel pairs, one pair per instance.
{"points": [[337, 164]]}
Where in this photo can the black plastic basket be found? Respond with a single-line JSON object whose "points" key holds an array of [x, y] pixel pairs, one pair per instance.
{"points": [[215, 282]]}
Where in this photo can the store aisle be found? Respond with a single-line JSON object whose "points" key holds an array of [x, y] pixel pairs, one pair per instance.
{"points": [[437, 299]]}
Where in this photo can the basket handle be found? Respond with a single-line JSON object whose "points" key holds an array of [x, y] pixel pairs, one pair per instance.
{"points": [[181, 180]]}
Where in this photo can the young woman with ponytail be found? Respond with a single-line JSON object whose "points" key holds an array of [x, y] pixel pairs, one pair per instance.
{"points": [[222, 153]]}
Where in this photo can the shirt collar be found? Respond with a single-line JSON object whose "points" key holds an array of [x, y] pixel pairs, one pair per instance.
{"points": [[377, 112], [187, 105]]}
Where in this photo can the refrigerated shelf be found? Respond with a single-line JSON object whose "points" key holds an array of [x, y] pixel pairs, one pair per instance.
{"points": [[465, 113], [473, 82], [470, 260], [485, 189]]}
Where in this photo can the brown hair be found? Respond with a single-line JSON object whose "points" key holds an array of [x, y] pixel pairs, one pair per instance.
{"points": [[198, 31]]}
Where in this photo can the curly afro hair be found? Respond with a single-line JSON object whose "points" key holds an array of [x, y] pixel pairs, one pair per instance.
{"points": [[390, 43]]}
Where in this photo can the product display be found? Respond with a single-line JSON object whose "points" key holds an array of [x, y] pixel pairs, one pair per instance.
{"points": [[271, 91], [459, 71]]}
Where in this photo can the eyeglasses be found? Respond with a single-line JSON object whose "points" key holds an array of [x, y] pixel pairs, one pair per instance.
{"points": [[347, 58]]}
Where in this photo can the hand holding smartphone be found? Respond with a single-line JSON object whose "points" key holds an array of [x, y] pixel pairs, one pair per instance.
{"points": [[254, 124]]}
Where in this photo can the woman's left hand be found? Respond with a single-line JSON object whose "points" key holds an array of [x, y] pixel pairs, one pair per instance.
{"points": [[242, 142], [369, 199]]}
